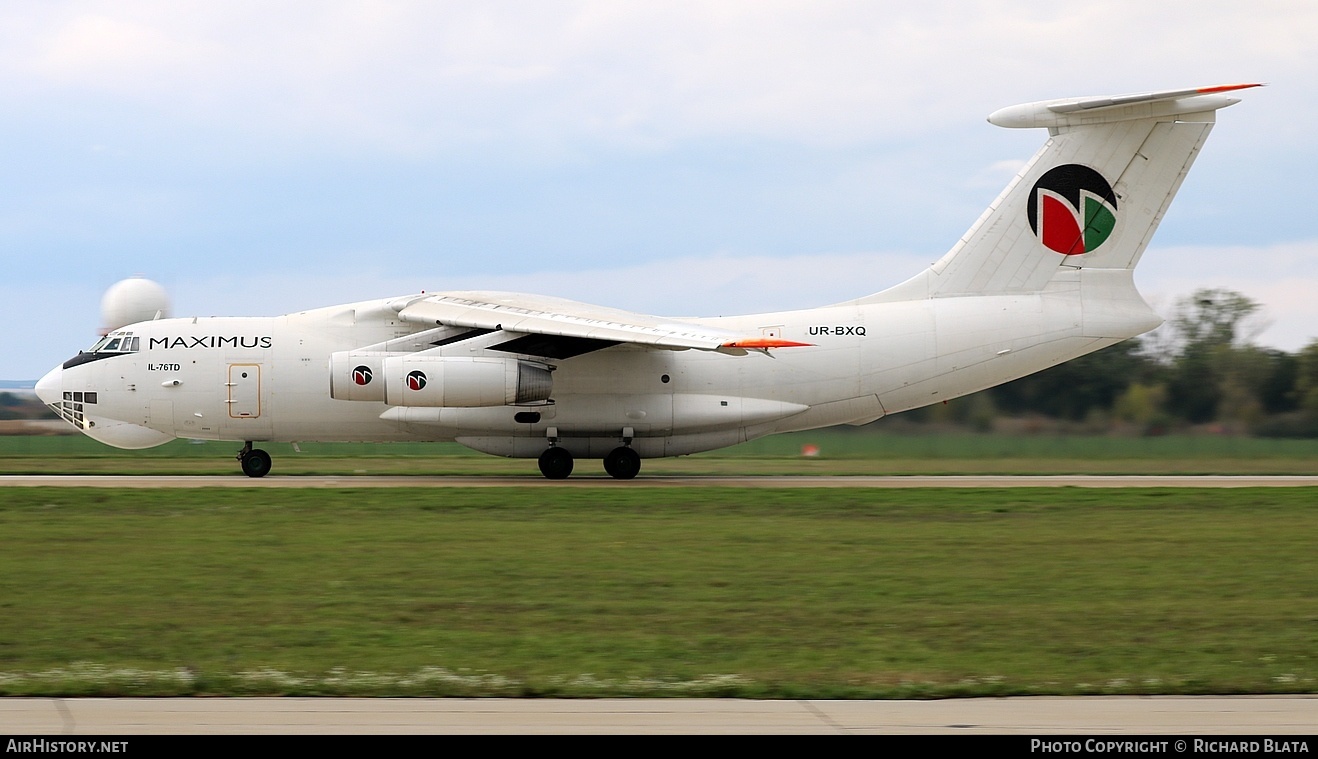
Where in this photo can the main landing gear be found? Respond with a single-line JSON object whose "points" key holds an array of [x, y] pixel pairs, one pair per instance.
{"points": [[622, 463], [556, 463], [256, 462]]}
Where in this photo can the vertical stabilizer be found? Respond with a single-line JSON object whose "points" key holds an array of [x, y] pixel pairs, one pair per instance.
{"points": [[1091, 197]]}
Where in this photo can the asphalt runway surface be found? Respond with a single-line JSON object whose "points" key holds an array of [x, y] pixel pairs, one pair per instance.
{"points": [[1101, 716], [896, 481]]}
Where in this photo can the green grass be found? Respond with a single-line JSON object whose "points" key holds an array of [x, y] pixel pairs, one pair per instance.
{"points": [[835, 593], [842, 452]]}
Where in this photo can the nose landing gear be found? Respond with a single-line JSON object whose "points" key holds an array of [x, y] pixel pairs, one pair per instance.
{"points": [[255, 462]]}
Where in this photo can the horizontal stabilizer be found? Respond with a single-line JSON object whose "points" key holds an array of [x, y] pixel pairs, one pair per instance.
{"points": [[1111, 108]]}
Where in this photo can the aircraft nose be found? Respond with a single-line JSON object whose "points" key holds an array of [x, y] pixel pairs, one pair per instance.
{"points": [[50, 387]]}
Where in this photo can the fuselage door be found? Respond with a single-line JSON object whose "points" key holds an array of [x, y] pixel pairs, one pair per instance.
{"points": [[244, 391]]}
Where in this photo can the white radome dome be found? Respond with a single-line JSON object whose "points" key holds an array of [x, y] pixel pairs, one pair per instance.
{"points": [[132, 300]]}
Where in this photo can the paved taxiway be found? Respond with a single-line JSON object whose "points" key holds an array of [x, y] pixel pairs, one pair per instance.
{"points": [[1102, 716], [897, 481]]}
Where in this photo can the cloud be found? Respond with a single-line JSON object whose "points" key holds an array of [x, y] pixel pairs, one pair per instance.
{"points": [[425, 77], [186, 140], [98, 52]]}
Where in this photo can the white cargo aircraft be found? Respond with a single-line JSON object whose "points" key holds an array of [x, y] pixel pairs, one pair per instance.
{"points": [[1044, 276]]}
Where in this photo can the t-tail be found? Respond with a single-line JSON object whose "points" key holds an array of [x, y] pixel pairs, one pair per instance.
{"points": [[1078, 216]]}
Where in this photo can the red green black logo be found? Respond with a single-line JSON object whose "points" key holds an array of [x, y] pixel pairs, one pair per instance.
{"points": [[362, 375], [1072, 209], [416, 380]]}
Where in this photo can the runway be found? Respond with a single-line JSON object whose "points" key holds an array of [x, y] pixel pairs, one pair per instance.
{"points": [[896, 481], [1099, 716]]}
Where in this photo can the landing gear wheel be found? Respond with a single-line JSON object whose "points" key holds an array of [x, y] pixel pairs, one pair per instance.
{"points": [[556, 463], [622, 463], [256, 463]]}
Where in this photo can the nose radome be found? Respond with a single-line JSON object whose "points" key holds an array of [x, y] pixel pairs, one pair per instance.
{"points": [[50, 387]]}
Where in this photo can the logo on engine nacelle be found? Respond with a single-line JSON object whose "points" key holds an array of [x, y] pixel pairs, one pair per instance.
{"points": [[362, 375], [416, 380]]}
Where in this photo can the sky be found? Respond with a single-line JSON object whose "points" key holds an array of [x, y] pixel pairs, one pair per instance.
{"points": [[678, 158]]}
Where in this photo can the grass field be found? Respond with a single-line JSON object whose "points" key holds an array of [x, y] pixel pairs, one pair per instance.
{"points": [[841, 452], [834, 593]]}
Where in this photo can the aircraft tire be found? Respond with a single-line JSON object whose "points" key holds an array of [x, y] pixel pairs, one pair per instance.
{"points": [[556, 463], [622, 463], [256, 463]]}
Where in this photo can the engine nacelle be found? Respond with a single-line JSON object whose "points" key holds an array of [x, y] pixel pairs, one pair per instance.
{"points": [[409, 379], [464, 381], [358, 375]]}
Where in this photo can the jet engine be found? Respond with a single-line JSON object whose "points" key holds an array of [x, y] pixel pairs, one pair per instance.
{"points": [[451, 381], [358, 375]]}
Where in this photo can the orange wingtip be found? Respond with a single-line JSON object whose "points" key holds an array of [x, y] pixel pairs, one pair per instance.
{"points": [[1227, 88], [765, 342]]}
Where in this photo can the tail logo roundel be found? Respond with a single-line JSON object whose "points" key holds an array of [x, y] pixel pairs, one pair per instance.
{"points": [[416, 380], [1072, 209]]}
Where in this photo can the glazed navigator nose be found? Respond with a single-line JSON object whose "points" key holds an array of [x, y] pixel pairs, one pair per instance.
{"points": [[50, 387]]}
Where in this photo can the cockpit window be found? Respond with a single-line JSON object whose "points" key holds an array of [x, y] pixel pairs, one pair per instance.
{"points": [[113, 344], [116, 342]]}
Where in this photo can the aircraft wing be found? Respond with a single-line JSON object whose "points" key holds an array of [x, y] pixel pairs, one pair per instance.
{"points": [[559, 317]]}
